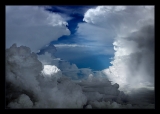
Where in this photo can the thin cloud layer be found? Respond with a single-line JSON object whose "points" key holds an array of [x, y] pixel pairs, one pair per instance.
{"points": [[33, 26]]}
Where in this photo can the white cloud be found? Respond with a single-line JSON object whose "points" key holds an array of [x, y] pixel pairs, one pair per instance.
{"points": [[33, 26], [134, 61], [50, 70], [122, 21], [133, 27], [70, 45]]}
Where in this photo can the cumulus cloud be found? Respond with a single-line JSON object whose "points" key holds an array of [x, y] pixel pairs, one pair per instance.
{"points": [[43, 81], [125, 18], [133, 62], [50, 70], [67, 68], [106, 23], [25, 73], [29, 84], [135, 70], [23, 101], [33, 26], [133, 43]]}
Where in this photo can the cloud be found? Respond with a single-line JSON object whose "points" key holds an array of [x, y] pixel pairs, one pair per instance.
{"points": [[101, 49], [105, 23], [22, 102], [133, 27], [123, 18], [70, 45], [42, 81], [70, 10], [18, 73], [68, 69], [29, 85], [50, 70], [116, 21], [133, 63], [33, 26], [48, 48], [134, 59]]}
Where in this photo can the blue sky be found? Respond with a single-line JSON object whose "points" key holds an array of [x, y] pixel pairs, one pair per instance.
{"points": [[83, 57]]}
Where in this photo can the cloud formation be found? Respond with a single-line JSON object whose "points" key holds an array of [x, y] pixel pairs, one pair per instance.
{"points": [[134, 62], [133, 44], [33, 26], [106, 23], [45, 81], [29, 84]]}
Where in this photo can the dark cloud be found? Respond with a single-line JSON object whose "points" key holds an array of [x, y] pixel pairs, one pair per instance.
{"points": [[28, 86], [142, 96]]}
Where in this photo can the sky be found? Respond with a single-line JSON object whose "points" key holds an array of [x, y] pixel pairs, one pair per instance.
{"points": [[68, 45], [105, 54]]}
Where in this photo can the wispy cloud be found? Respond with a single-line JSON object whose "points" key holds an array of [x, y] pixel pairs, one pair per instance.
{"points": [[70, 45]]}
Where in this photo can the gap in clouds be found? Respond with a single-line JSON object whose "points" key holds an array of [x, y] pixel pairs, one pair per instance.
{"points": [[88, 56], [84, 57]]}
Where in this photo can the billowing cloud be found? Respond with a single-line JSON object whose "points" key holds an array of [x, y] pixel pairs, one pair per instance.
{"points": [[31, 85], [120, 19], [45, 81], [134, 59], [106, 23], [33, 26], [133, 63], [133, 27]]}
